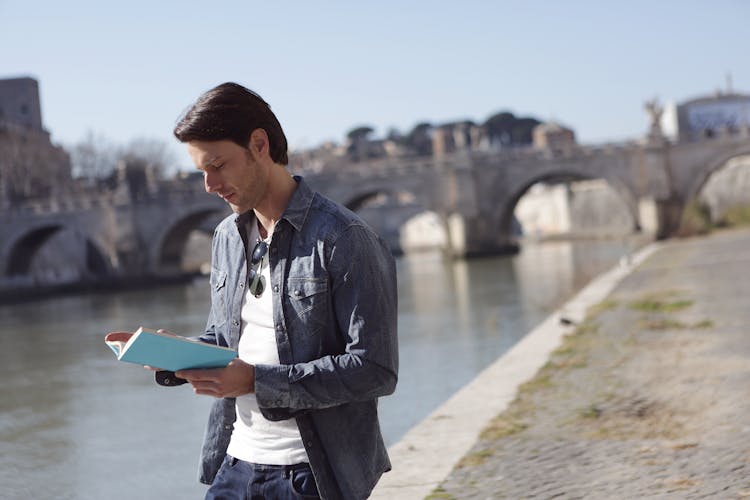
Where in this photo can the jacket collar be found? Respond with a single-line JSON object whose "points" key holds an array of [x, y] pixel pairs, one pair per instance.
{"points": [[295, 212], [299, 204]]}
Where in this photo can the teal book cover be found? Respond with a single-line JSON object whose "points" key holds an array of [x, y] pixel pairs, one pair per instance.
{"points": [[170, 352]]}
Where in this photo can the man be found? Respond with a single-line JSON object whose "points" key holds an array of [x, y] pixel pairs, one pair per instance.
{"points": [[306, 292]]}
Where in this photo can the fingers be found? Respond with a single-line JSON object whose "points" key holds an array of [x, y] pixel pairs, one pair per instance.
{"points": [[210, 375], [232, 381], [208, 389]]}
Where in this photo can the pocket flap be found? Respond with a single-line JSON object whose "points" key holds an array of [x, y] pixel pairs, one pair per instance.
{"points": [[218, 279], [302, 288]]}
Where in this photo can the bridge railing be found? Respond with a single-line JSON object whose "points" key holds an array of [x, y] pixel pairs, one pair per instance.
{"points": [[89, 199], [404, 165], [58, 204]]}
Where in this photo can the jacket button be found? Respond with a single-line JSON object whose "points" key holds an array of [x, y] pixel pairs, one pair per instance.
{"points": [[297, 293], [276, 288]]}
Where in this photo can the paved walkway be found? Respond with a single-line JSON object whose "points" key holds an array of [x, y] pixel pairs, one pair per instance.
{"points": [[648, 397]]}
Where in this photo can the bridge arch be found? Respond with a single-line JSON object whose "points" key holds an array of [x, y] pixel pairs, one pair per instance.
{"points": [[27, 245], [380, 195], [391, 211], [168, 250], [714, 166], [356, 203], [506, 209]]}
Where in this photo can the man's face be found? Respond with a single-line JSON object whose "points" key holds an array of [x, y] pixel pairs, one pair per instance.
{"points": [[231, 172]]}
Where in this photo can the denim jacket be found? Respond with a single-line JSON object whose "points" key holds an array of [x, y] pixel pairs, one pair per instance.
{"points": [[333, 282]]}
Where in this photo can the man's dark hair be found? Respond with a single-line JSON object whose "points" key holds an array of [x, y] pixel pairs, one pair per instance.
{"points": [[231, 112]]}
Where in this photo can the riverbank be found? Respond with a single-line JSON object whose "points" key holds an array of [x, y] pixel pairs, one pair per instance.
{"points": [[643, 398], [22, 295]]}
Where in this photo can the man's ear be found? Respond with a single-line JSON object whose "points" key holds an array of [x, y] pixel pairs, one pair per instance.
{"points": [[258, 142]]}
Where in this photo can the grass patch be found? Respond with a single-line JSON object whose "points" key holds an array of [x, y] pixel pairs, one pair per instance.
{"points": [[591, 412], [737, 215], [696, 220], [474, 459], [606, 305], [661, 324], [570, 354], [671, 324], [541, 381], [439, 494], [656, 304], [503, 426], [706, 323], [586, 328]]}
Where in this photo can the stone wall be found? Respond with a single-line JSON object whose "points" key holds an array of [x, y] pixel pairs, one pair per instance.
{"points": [[728, 187]]}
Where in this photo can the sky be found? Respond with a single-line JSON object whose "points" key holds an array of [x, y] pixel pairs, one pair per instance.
{"points": [[128, 70]]}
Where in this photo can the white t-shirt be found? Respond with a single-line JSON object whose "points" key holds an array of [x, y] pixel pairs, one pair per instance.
{"points": [[255, 439]]}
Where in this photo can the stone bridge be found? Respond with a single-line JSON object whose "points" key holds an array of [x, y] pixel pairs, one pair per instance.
{"points": [[473, 193], [112, 235]]}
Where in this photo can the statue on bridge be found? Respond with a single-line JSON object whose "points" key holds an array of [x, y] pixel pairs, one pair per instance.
{"points": [[655, 111]]}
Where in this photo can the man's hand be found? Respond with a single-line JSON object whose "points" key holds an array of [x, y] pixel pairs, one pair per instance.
{"points": [[236, 379]]}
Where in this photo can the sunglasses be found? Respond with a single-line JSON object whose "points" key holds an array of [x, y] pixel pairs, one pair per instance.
{"points": [[255, 283]]}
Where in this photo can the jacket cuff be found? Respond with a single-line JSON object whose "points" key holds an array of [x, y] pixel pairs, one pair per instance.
{"points": [[272, 388]]}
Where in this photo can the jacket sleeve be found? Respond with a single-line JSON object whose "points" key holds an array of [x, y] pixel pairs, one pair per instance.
{"points": [[363, 294], [217, 281]]}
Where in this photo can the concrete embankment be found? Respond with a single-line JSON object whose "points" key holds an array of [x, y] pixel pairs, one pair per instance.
{"points": [[645, 395]]}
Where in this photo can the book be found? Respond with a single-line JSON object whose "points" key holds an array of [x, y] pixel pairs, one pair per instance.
{"points": [[166, 351]]}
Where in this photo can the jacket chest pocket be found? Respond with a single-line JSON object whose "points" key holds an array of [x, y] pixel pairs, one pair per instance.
{"points": [[218, 282], [307, 299]]}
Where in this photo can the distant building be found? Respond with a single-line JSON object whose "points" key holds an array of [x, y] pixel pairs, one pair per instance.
{"points": [[456, 136], [707, 116], [552, 135], [19, 104], [30, 165]]}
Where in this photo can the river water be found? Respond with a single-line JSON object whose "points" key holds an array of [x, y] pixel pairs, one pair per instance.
{"points": [[75, 424]]}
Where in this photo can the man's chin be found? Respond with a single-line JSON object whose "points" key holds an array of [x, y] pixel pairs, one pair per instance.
{"points": [[237, 208]]}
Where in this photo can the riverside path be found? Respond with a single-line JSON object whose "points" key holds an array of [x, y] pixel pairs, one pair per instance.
{"points": [[647, 399]]}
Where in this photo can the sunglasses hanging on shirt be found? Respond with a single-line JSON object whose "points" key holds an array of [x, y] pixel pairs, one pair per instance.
{"points": [[254, 279]]}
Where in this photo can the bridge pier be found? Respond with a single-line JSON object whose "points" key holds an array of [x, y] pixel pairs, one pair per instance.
{"points": [[476, 237]]}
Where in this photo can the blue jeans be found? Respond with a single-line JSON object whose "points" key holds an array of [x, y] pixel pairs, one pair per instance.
{"points": [[242, 480]]}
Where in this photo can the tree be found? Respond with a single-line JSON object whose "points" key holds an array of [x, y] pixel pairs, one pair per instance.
{"points": [[419, 139], [154, 153], [395, 135], [499, 127], [360, 133], [31, 166], [522, 130], [94, 158], [505, 129]]}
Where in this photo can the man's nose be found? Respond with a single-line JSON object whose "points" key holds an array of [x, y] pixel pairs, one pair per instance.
{"points": [[211, 182]]}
